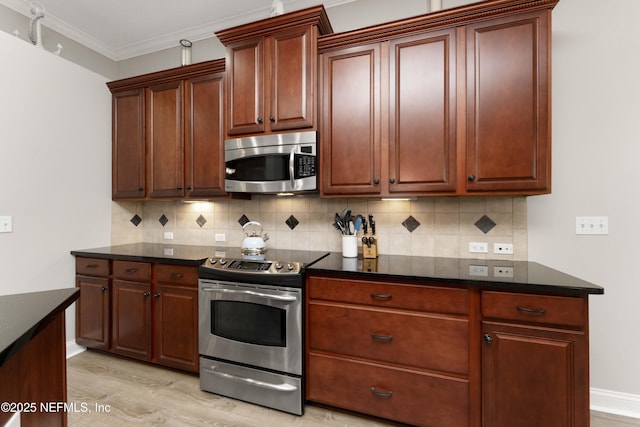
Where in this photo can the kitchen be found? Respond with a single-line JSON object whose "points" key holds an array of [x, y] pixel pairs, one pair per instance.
{"points": [[55, 144]]}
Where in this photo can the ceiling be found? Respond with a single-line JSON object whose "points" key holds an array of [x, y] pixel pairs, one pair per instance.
{"points": [[120, 29]]}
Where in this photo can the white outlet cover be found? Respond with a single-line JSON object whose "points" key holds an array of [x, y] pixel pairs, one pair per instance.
{"points": [[6, 225]]}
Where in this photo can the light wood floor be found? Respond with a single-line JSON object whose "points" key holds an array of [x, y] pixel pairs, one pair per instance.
{"points": [[111, 391]]}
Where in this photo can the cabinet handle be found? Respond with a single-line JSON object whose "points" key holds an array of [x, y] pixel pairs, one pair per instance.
{"points": [[104, 289], [392, 181], [385, 338], [471, 178], [176, 275], [260, 120], [156, 295], [131, 270], [386, 394], [179, 187], [531, 310], [488, 338], [146, 294], [381, 296], [272, 119], [376, 181], [92, 266], [188, 187], [140, 188]]}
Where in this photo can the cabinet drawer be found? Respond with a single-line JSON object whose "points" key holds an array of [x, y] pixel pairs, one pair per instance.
{"points": [[131, 270], [381, 294], [545, 309], [177, 274], [410, 339], [92, 266], [401, 395]]}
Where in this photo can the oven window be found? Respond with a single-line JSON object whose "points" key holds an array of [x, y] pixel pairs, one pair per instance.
{"points": [[248, 322]]}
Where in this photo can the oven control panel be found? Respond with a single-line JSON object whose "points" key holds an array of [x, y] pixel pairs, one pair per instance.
{"points": [[253, 266]]}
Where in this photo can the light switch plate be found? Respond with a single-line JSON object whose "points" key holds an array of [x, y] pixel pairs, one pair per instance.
{"points": [[592, 225], [6, 225]]}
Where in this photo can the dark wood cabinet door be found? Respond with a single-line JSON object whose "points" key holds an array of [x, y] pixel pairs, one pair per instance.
{"points": [[128, 166], [131, 319], [165, 139], [204, 136], [176, 326], [350, 124], [534, 377], [92, 312], [508, 98], [422, 110], [292, 76], [245, 89]]}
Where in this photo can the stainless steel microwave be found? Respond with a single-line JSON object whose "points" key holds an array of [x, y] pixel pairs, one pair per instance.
{"points": [[279, 163]]}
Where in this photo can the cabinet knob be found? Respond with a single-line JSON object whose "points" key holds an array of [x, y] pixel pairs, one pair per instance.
{"points": [[471, 178], [188, 187], [260, 120], [140, 188], [104, 289], [272, 119], [392, 180], [156, 295], [376, 181], [488, 338], [179, 187], [146, 294]]}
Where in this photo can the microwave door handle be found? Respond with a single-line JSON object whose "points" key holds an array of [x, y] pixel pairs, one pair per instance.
{"points": [[252, 293], [292, 156]]}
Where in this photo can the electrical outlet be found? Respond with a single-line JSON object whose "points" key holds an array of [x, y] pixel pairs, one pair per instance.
{"points": [[503, 248], [221, 237], [5, 224], [168, 235], [478, 270], [502, 271], [478, 247], [592, 225]]}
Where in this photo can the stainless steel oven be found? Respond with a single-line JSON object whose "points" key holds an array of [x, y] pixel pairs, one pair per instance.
{"points": [[251, 328]]}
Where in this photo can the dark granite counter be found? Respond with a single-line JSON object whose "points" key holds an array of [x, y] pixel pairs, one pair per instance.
{"points": [[151, 252], [489, 274], [22, 316]]}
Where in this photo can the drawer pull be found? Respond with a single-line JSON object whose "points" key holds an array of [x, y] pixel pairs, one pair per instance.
{"points": [[385, 338], [131, 270], [92, 266], [386, 394], [380, 296], [531, 310], [176, 276]]}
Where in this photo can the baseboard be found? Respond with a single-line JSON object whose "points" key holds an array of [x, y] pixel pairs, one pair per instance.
{"points": [[614, 402], [73, 348]]}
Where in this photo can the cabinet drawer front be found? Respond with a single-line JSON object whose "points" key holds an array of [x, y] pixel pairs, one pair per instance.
{"points": [[92, 266], [411, 339], [545, 309], [397, 394], [130, 270], [381, 294], [178, 274]]}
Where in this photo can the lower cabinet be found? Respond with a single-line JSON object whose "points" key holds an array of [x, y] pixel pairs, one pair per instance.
{"points": [[146, 311]]}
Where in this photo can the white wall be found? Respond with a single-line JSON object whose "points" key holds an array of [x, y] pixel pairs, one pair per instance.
{"points": [[596, 147], [55, 167]]}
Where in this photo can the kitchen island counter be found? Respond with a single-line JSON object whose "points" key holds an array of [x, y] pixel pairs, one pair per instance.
{"points": [[517, 276]]}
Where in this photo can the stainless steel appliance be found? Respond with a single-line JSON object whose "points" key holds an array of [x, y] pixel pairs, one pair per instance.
{"points": [[282, 163], [251, 327]]}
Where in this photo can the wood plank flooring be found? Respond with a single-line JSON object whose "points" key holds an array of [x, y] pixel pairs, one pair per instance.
{"points": [[111, 391]]}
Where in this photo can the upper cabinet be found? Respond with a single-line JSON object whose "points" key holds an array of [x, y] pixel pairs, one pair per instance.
{"points": [[168, 134], [455, 102], [272, 73]]}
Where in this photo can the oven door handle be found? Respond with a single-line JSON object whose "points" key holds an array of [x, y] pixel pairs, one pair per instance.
{"points": [[277, 387], [286, 298]]}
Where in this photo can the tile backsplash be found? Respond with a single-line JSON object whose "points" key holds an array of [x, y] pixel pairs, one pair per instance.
{"points": [[441, 226]]}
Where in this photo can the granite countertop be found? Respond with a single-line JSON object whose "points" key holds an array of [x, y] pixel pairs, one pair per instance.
{"points": [[151, 252], [22, 316], [488, 274]]}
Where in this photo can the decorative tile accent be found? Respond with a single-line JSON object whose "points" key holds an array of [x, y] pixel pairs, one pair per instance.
{"points": [[485, 224], [411, 223], [201, 221], [136, 220], [243, 220], [163, 220], [292, 222]]}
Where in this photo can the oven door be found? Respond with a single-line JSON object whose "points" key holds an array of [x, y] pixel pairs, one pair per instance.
{"points": [[251, 324]]}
